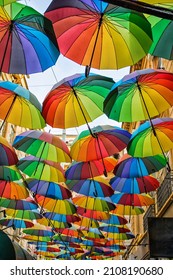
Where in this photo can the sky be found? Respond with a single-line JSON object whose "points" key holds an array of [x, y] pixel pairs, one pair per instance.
{"points": [[41, 83]]}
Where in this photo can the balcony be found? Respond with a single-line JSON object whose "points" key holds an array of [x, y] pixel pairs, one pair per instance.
{"points": [[149, 213], [164, 191]]}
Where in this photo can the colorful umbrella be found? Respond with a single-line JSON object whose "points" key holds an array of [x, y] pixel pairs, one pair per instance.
{"points": [[114, 229], [61, 217], [16, 223], [48, 189], [41, 169], [93, 214], [104, 141], [64, 207], [52, 223], [114, 37], [23, 214], [42, 145], [149, 141], [130, 167], [48, 248], [84, 170], [161, 30], [127, 210], [97, 186], [48, 255], [86, 223], [119, 236], [132, 199], [37, 238], [92, 235], [12, 190], [19, 106], [76, 100], [10, 173], [28, 35], [39, 231], [134, 185], [115, 219], [141, 95], [67, 232], [7, 152], [18, 204], [94, 203]]}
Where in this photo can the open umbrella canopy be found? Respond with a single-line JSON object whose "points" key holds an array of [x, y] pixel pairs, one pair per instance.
{"points": [[12, 190], [74, 232], [19, 106], [119, 236], [114, 37], [115, 220], [141, 95], [62, 217], [76, 100], [150, 140], [19, 204], [16, 222], [161, 30], [97, 186], [89, 169], [65, 207], [114, 229], [27, 34], [52, 223], [100, 142], [39, 231], [42, 145], [10, 173], [86, 223], [93, 214], [48, 189], [92, 235], [40, 169], [23, 214], [134, 185], [37, 238], [127, 210], [132, 199], [7, 152], [94, 203], [130, 167]]}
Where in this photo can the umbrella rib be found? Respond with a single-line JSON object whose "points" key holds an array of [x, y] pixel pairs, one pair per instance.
{"points": [[139, 88], [88, 67], [75, 94], [104, 172]]}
